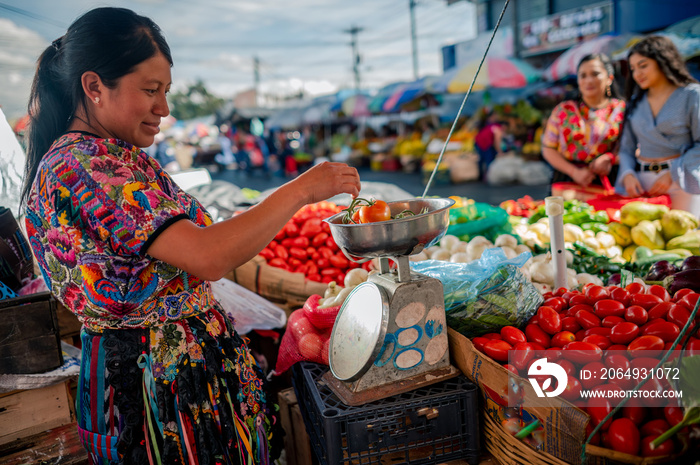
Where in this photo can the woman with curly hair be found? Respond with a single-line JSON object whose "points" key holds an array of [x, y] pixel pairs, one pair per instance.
{"points": [[660, 145]]}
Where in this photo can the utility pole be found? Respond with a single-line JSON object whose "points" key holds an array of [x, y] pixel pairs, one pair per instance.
{"points": [[256, 77], [353, 31], [516, 28], [414, 45]]}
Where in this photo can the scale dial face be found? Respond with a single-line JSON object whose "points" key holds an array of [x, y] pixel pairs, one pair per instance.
{"points": [[359, 330]]}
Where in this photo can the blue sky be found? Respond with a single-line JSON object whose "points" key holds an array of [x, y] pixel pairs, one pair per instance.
{"points": [[299, 43]]}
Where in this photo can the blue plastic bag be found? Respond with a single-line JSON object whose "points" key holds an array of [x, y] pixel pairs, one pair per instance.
{"points": [[486, 294]]}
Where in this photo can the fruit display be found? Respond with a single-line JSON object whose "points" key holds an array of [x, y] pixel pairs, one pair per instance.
{"points": [[305, 245], [524, 206], [631, 288], [309, 328], [607, 339], [664, 233]]}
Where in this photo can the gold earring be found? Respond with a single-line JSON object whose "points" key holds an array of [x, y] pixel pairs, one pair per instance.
{"points": [[607, 92], [97, 100]]}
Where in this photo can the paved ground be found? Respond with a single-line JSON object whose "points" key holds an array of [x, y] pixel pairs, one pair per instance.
{"points": [[410, 182]]}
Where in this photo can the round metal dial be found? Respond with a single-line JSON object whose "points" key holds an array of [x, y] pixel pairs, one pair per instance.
{"points": [[359, 330]]}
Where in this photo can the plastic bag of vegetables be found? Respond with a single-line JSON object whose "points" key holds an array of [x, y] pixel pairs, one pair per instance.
{"points": [[486, 294]]}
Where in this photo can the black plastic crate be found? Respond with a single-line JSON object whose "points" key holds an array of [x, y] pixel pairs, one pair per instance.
{"points": [[31, 342], [390, 430]]}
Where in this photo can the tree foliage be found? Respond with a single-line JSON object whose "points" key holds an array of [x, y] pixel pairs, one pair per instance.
{"points": [[194, 102]]}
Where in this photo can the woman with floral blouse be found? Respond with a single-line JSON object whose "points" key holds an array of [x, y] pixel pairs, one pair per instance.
{"points": [[581, 136], [165, 377]]}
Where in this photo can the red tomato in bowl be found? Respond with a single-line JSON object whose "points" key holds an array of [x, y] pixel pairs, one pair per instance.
{"points": [[378, 211]]}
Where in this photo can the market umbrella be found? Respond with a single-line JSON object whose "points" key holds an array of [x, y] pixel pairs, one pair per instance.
{"points": [[167, 122], [21, 125], [495, 72], [355, 105], [687, 28], [686, 35], [319, 110], [567, 63], [376, 103], [286, 118], [409, 93]]}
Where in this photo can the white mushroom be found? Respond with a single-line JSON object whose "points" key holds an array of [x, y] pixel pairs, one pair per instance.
{"points": [[458, 247], [506, 240], [448, 240], [419, 257], [460, 257], [441, 254]]}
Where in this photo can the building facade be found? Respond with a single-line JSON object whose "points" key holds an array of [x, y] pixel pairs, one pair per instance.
{"points": [[540, 30]]}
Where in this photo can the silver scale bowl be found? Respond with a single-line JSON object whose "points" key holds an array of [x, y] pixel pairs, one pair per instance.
{"points": [[395, 238]]}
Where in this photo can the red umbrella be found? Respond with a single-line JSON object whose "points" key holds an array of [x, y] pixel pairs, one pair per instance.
{"points": [[21, 125], [495, 72], [567, 63]]}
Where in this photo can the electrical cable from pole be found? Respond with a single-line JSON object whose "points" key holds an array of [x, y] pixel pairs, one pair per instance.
{"points": [[464, 101]]}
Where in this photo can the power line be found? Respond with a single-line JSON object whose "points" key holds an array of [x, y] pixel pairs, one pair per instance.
{"points": [[29, 14]]}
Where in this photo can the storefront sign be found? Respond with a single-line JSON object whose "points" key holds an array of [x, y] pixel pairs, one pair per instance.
{"points": [[562, 30]]}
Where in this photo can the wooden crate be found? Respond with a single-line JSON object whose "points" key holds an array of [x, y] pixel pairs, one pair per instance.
{"points": [[275, 284], [31, 342], [28, 412], [59, 445], [297, 446]]}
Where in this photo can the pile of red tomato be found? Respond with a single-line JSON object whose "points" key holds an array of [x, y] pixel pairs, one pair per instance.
{"points": [[594, 331], [305, 245]]}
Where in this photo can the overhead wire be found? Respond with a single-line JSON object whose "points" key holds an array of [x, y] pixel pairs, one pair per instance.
{"points": [[32, 15], [374, 21], [464, 101]]}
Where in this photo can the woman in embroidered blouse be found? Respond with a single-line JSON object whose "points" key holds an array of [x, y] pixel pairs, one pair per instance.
{"points": [[165, 378], [580, 137], [660, 145]]}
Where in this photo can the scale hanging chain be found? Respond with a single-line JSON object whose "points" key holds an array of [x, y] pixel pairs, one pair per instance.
{"points": [[464, 101]]}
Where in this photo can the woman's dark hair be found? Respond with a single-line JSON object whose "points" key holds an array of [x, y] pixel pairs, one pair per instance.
{"points": [[108, 41], [609, 67], [670, 61]]}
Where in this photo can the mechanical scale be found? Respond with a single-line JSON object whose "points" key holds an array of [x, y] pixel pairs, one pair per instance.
{"points": [[390, 335]]}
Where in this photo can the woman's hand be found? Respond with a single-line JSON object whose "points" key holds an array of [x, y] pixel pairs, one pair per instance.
{"points": [[601, 165], [632, 186], [582, 176], [211, 252], [327, 179], [661, 185]]}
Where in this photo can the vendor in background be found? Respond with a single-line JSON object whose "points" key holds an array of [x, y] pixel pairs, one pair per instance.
{"points": [[581, 135], [488, 141], [660, 148], [165, 377]]}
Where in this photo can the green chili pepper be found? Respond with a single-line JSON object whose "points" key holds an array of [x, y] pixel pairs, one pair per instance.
{"points": [[585, 249], [595, 227], [577, 217], [601, 217]]}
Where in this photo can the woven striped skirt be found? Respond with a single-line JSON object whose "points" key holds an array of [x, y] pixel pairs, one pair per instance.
{"points": [[185, 392]]}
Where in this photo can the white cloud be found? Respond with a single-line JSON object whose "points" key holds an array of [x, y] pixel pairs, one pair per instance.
{"points": [[300, 44], [19, 49]]}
